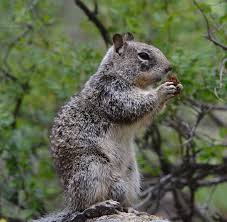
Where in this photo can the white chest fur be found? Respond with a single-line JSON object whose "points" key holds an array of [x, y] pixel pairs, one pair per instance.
{"points": [[118, 141]]}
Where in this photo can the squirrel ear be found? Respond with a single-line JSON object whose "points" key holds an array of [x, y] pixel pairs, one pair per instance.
{"points": [[128, 36], [117, 41]]}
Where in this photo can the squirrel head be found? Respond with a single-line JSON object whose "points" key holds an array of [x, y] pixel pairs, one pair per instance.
{"points": [[139, 63]]}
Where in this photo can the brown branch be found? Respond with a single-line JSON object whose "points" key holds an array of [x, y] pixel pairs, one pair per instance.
{"points": [[212, 182], [181, 177], [155, 144], [198, 212], [201, 114], [93, 18], [14, 42], [181, 206], [219, 122], [16, 110], [222, 67], [96, 9], [209, 36], [219, 218], [181, 126], [209, 107], [18, 104], [8, 75], [7, 72]]}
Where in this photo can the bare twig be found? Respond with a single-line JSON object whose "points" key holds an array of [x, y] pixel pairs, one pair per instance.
{"points": [[18, 104], [209, 107], [7, 70], [181, 205], [204, 110], [218, 121], [8, 75], [96, 9], [222, 71], [181, 126], [156, 145], [212, 182], [182, 176], [219, 218], [210, 35], [93, 18], [13, 43]]}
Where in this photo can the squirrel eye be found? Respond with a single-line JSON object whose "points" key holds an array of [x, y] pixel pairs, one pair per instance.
{"points": [[144, 55]]}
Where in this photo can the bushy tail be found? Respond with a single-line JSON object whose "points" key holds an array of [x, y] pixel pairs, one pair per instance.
{"points": [[107, 207], [56, 217]]}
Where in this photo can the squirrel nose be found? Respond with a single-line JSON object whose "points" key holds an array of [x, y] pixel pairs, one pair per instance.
{"points": [[169, 68]]}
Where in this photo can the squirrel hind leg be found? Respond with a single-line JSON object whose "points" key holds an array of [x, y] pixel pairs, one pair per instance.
{"points": [[89, 184], [119, 191]]}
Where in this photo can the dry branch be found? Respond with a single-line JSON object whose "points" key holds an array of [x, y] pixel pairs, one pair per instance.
{"points": [[210, 35], [93, 18]]}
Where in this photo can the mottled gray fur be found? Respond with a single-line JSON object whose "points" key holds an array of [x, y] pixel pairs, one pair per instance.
{"points": [[92, 136]]}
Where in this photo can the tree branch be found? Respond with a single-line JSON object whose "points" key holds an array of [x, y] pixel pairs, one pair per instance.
{"points": [[187, 173], [19, 101], [93, 18], [209, 36], [209, 107], [14, 42]]}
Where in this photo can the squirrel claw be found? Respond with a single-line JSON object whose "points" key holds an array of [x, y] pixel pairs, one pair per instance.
{"points": [[179, 88]]}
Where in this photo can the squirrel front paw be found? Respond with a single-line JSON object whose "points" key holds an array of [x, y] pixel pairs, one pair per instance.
{"points": [[168, 90]]}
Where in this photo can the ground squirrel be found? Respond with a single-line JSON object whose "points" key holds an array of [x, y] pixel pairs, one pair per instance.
{"points": [[92, 135]]}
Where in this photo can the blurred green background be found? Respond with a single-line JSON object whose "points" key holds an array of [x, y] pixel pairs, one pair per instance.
{"points": [[49, 48]]}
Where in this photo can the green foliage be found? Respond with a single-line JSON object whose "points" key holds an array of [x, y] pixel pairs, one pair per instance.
{"points": [[41, 67]]}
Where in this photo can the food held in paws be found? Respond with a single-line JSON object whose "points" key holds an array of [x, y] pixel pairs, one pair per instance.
{"points": [[176, 82]]}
